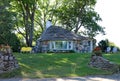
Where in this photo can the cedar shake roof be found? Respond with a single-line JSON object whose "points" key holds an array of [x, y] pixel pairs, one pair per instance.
{"points": [[55, 33]]}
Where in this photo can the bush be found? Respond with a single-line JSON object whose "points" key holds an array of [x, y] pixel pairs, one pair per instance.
{"points": [[12, 40], [97, 51], [72, 51]]}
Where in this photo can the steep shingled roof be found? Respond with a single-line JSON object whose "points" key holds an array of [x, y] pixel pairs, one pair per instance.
{"points": [[58, 33]]}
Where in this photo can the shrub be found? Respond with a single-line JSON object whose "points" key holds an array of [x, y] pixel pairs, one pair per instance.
{"points": [[97, 51]]}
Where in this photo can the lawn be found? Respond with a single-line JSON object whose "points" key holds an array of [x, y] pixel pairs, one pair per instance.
{"points": [[57, 65]]}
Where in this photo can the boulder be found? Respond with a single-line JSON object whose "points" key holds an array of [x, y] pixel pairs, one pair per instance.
{"points": [[102, 63]]}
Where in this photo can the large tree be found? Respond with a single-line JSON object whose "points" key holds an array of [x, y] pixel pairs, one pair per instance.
{"points": [[74, 14], [25, 18], [90, 24], [7, 22], [32, 16]]}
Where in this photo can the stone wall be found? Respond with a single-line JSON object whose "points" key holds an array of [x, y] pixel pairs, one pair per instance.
{"points": [[7, 61]]}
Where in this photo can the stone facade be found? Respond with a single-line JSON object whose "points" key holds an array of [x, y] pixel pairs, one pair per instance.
{"points": [[7, 61]]}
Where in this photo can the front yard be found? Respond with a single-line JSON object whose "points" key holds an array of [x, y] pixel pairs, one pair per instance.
{"points": [[57, 65]]}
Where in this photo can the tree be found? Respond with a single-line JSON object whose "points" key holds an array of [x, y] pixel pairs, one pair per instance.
{"points": [[103, 44], [7, 22], [32, 16], [74, 14], [92, 28], [44, 12], [25, 25]]}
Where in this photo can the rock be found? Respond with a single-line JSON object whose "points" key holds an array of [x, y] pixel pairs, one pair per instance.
{"points": [[7, 62], [102, 63]]}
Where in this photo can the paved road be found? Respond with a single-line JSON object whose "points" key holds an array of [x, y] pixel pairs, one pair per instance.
{"points": [[115, 77]]}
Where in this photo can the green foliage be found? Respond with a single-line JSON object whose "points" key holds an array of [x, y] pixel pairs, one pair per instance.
{"points": [[14, 42], [7, 22], [44, 12], [103, 44], [25, 18], [31, 16], [92, 28], [79, 13]]}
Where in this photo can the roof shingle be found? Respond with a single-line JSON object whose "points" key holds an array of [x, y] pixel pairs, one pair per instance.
{"points": [[58, 33]]}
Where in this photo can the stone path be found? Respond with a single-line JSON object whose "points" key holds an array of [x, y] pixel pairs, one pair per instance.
{"points": [[114, 77]]}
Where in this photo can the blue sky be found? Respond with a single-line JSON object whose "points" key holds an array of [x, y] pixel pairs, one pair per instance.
{"points": [[110, 13]]}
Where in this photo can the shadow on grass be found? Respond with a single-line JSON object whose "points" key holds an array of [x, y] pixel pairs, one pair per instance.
{"points": [[10, 74], [54, 65]]}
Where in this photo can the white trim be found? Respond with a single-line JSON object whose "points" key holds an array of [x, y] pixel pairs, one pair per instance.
{"points": [[69, 45], [91, 45]]}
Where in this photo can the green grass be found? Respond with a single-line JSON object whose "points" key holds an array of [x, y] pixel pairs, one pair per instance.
{"points": [[57, 65], [113, 57]]}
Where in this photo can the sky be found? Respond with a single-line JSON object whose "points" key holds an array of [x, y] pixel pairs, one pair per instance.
{"points": [[109, 11]]}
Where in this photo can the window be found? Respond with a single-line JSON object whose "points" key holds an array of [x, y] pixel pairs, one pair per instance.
{"points": [[61, 44]]}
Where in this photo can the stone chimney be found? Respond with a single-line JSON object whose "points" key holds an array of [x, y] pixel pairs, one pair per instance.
{"points": [[48, 24]]}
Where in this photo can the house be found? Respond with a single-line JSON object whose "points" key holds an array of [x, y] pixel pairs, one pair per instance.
{"points": [[58, 39]]}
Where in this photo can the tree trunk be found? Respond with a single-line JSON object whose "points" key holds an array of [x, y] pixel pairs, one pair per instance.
{"points": [[28, 12], [32, 26]]}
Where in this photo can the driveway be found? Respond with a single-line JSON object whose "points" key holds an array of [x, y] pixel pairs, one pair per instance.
{"points": [[114, 77]]}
